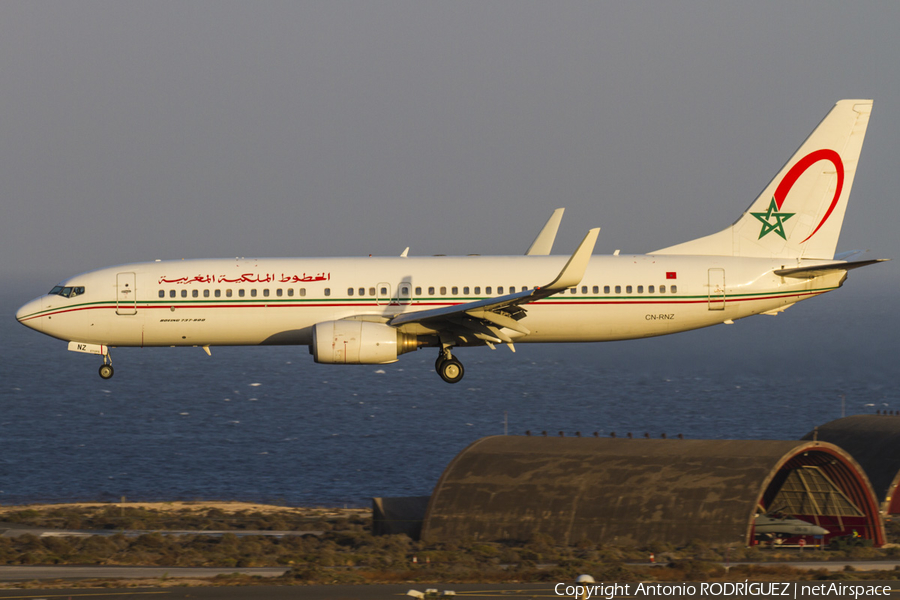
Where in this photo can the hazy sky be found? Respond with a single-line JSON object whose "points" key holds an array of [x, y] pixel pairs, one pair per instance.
{"points": [[142, 130]]}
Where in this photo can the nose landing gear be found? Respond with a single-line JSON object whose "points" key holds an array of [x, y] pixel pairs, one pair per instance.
{"points": [[449, 367], [106, 369]]}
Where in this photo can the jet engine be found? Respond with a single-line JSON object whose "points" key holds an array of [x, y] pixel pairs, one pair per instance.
{"points": [[359, 343]]}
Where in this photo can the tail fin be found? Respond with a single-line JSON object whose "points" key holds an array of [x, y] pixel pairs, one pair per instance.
{"points": [[799, 214]]}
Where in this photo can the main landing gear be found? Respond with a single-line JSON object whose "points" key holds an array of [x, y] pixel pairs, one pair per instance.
{"points": [[449, 367]]}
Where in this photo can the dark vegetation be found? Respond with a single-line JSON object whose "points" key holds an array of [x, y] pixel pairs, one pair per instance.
{"points": [[347, 552], [115, 517]]}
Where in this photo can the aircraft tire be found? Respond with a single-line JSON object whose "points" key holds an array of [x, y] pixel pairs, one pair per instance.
{"points": [[451, 370], [106, 371]]}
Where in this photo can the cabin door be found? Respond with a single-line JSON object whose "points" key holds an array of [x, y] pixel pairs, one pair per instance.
{"points": [[126, 294], [717, 289]]}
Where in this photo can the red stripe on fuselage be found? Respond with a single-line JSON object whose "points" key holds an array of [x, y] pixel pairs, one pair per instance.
{"points": [[345, 304]]}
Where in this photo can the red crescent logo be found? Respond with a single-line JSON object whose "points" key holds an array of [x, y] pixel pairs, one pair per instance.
{"points": [[798, 169]]}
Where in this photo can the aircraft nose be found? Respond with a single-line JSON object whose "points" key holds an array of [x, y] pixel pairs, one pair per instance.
{"points": [[28, 314]]}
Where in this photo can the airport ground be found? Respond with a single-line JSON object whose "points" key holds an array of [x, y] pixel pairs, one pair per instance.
{"points": [[171, 546]]}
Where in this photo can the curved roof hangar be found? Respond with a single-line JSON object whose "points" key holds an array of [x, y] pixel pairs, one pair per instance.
{"points": [[614, 490]]}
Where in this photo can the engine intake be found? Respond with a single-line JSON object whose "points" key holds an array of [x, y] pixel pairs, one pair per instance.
{"points": [[359, 343]]}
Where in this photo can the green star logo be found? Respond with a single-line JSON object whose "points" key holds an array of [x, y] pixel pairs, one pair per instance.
{"points": [[768, 225]]}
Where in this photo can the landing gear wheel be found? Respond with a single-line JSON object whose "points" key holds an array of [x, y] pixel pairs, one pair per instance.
{"points": [[106, 371], [437, 364], [450, 370]]}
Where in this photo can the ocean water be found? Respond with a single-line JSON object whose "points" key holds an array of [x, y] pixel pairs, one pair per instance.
{"points": [[268, 424]]}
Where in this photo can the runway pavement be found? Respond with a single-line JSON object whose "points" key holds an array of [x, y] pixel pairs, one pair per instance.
{"points": [[45, 572], [312, 592], [380, 592]]}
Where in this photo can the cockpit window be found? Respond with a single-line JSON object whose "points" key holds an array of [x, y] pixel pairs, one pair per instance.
{"points": [[67, 292]]}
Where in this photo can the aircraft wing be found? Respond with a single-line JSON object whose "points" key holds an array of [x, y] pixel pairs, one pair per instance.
{"points": [[543, 243], [484, 319], [817, 270]]}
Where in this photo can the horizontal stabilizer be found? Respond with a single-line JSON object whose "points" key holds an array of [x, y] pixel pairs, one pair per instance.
{"points": [[849, 254], [819, 270]]}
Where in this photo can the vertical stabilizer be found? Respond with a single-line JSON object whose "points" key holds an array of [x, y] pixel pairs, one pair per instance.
{"points": [[800, 213]]}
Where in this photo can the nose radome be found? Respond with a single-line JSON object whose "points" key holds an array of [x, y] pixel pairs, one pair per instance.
{"points": [[27, 315]]}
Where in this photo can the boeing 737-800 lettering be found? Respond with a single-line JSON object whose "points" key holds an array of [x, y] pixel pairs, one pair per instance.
{"points": [[371, 310]]}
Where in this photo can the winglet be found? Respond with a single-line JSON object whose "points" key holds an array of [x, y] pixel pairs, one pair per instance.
{"points": [[405, 253], [543, 243], [573, 272]]}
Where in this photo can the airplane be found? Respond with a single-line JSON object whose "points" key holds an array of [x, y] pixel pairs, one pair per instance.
{"points": [[371, 310], [773, 525]]}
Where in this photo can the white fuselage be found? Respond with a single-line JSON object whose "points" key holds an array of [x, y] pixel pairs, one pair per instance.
{"points": [[279, 300]]}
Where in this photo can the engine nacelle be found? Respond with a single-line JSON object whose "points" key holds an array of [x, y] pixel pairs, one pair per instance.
{"points": [[359, 343]]}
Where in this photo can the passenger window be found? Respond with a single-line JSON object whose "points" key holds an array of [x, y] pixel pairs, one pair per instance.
{"points": [[487, 290], [278, 292], [291, 292], [327, 291], [640, 289], [674, 289], [171, 293], [195, 293], [454, 290], [618, 289], [596, 289], [573, 290], [206, 293], [466, 290], [500, 289], [241, 292], [583, 289], [650, 289], [404, 291], [218, 293], [349, 291], [477, 290], [627, 289], [443, 291], [362, 291], [266, 292], [384, 291], [662, 289], [253, 293], [228, 293], [418, 291], [605, 289], [371, 291], [302, 291], [162, 293]]}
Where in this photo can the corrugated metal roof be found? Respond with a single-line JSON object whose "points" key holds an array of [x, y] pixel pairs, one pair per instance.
{"points": [[615, 490], [874, 441]]}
